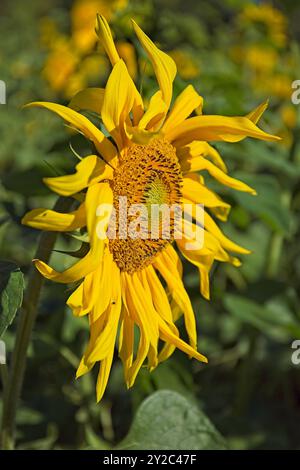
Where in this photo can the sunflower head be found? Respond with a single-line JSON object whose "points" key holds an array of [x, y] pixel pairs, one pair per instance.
{"points": [[130, 281]]}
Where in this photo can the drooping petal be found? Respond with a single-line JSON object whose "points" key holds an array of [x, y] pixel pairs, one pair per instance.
{"points": [[46, 219], [203, 262], [211, 226], [164, 66], [99, 206], [184, 105], [126, 340], [144, 340], [163, 309], [100, 348], [203, 243], [158, 294], [83, 124], [203, 149], [90, 99], [170, 274], [76, 272], [104, 371], [96, 195], [168, 336], [209, 128], [197, 192], [89, 293], [200, 163], [143, 305], [103, 284], [89, 171]]}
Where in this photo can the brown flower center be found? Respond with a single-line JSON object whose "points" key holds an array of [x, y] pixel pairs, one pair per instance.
{"points": [[148, 176]]}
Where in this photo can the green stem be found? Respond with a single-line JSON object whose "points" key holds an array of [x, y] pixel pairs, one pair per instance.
{"points": [[3, 374], [26, 322]]}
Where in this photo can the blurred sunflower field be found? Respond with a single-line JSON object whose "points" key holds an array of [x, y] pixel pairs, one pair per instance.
{"points": [[237, 54]]}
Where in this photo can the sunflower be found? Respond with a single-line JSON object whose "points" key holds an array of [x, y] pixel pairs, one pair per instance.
{"points": [[132, 288]]}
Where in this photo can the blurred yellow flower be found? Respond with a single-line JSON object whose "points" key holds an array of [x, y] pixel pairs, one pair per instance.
{"points": [[188, 69], [152, 157], [260, 59], [126, 52], [71, 62], [271, 18], [289, 115], [60, 64], [83, 15]]}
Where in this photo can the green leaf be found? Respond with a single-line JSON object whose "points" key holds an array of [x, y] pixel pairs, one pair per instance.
{"points": [[167, 420], [11, 293], [268, 204], [278, 325]]}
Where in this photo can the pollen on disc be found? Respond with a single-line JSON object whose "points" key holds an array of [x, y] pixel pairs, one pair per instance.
{"points": [[148, 175]]}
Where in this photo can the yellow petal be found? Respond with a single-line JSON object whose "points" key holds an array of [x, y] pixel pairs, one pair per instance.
{"points": [[162, 307], [89, 171], [159, 296], [104, 33], [118, 102], [99, 206], [96, 329], [104, 372], [208, 128], [203, 262], [44, 219], [155, 113], [138, 301], [106, 338], [168, 336], [211, 226], [200, 194], [143, 305], [76, 272], [195, 249], [200, 163], [170, 274], [164, 66], [96, 195], [126, 341], [256, 114], [84, 298], [80, 122], [103, 286], [203, 149], [90, 99], [184, 105]]}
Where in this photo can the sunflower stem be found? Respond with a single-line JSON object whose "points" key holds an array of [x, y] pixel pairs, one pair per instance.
{"points": [[27, 317]]}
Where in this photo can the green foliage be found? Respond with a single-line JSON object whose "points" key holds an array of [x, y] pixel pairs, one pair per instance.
{"points": [[167, 420], [11, 293]]}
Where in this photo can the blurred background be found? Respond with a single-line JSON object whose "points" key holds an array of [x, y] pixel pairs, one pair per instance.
{"points": [[236, 53]]}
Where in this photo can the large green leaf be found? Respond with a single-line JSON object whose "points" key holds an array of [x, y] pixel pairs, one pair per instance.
{"points": [[11, 293], [167, 420]]}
